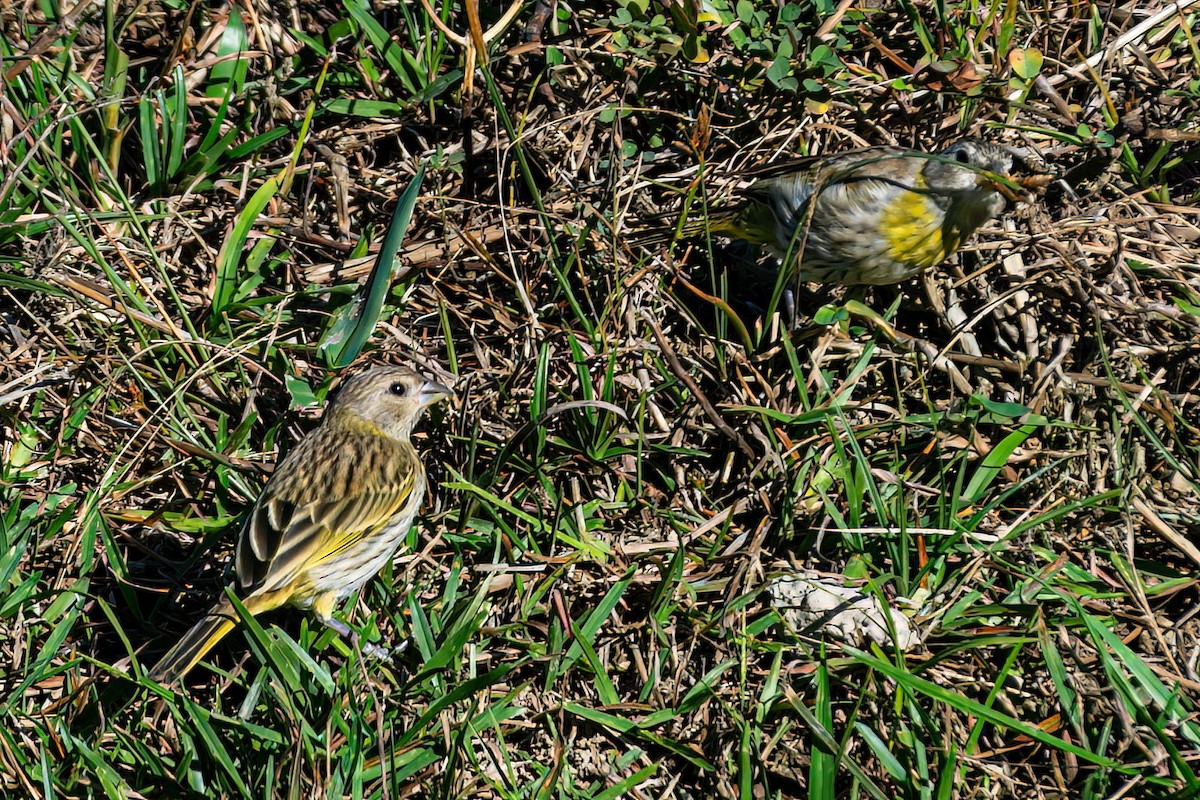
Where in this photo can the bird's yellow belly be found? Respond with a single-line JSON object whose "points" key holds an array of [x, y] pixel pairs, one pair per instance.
{"points": [[914, 232]]}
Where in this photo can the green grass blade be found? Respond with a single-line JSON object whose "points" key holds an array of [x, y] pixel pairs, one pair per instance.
{"points": [[230, 256], [362, 315]]}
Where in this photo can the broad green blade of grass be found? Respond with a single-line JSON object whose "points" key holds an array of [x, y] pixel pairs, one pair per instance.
{"points": [[604, 684], [995, 460], [229, 258], [228, 74], [824, 738], [1141, 684], [823, 770], [352, 326]]}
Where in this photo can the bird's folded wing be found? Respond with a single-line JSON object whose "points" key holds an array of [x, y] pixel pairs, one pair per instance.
{"points": [[281, 541]]}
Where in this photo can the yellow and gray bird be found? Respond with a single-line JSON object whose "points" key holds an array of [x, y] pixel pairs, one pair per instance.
{"points": [[868, 217], [334, 512]]}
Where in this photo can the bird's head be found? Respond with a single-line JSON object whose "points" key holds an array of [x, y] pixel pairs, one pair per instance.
{"points": [[973, 177], [968, 165], [391, 398]]}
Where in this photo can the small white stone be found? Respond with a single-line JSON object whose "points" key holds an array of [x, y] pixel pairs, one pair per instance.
{"points": [[819, 605]]}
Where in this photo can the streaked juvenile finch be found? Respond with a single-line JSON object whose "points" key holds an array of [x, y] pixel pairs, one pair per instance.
{"points": [[333, 513], [874, 216]]}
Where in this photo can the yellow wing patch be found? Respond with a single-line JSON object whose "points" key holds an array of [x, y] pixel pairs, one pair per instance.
{"points": [[363, 516]]}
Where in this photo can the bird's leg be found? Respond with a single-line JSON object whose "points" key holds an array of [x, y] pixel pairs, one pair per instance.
{"points": [[789, 308], [323, 610]]}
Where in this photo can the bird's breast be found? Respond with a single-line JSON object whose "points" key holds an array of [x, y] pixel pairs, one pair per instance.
{"points": [[913, 227]]}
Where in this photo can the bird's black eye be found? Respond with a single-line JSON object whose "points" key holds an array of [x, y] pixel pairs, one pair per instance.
{"points": [[962, 157], [398, 389]]}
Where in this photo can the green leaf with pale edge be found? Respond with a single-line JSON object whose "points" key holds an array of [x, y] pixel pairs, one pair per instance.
{"points": [[357, 321]]}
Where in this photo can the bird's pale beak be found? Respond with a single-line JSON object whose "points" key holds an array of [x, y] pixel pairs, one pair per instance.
{"points": [[1016, 188], [999, 182], [432, 391]]}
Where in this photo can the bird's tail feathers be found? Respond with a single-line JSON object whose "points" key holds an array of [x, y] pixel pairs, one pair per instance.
{"points": [[667, 226], [202, 637]]}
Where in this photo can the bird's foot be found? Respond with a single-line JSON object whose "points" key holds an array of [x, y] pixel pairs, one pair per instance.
{"points": [[356, 641], [375, 650]]}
